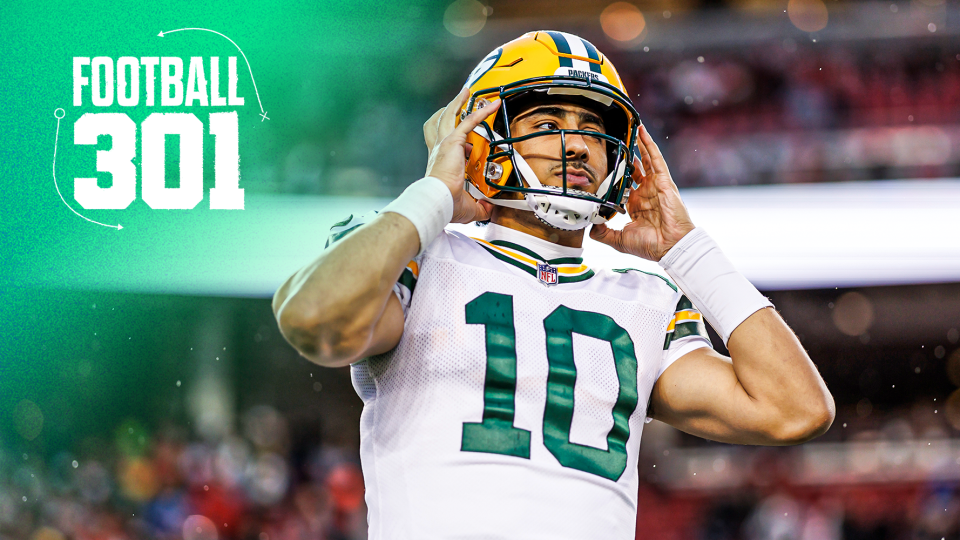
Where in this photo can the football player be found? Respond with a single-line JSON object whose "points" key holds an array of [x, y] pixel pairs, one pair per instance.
{"points": [[506, 382]]}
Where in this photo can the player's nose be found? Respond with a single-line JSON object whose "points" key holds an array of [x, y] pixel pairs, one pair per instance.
{"points": [[575, 147]]}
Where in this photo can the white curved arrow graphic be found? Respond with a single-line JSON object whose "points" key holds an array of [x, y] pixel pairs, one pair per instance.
{"points": [[58, 114], [263, 113]]}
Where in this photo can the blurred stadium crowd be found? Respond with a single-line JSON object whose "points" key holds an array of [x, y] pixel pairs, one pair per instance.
{"points": [[795, 112], [889, 476], [785, 110], [169, 485]]}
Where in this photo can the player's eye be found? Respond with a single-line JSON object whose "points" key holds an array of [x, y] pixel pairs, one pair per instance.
{"points": [[547, 125]]}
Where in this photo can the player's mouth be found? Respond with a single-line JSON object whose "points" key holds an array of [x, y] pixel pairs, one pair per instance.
{"points": [[578, 178]]}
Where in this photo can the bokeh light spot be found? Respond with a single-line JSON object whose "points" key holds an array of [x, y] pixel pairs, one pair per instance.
{"points": [[464, 18], [952, 409], [345, 483], [47, 533], [808, 15], [29, 419], [853, 314], [953, 367], [138, 479], [622, 21], [132, 438], [197, 527]]}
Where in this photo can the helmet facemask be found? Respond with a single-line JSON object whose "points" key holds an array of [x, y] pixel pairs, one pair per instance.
{"points": [[563, 207]]}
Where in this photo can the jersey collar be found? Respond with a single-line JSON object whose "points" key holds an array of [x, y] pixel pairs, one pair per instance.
{"points": [[524, 252], [494, 233]]}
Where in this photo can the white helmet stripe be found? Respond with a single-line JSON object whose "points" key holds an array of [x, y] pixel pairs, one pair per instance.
{"points": [[577, 48]]}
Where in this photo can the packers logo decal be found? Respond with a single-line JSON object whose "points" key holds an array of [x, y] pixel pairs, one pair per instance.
{"points": [[581, 74], [484, 66]]}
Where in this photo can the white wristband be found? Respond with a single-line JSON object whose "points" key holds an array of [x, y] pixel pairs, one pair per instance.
{"points": [[428, 204], [711, 282]]}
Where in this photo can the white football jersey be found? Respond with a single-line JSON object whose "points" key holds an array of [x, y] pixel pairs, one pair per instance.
{"points": [[514, 403]]}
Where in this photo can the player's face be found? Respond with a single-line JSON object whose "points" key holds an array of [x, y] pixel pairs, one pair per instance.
{"points": [[586, 163]]}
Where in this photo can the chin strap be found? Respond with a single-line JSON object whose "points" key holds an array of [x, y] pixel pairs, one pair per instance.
{"points": [[558, 211], [509, 203]]}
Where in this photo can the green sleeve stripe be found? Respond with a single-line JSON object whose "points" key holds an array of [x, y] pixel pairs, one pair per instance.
{"points": [[342, 223], [686, 329], [407, 279], [684, 303], [689, 328], [667, 281], [336, 237]]}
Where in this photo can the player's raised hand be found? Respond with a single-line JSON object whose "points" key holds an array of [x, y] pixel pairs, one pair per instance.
{"points": [[658, 218], [447, 142]]}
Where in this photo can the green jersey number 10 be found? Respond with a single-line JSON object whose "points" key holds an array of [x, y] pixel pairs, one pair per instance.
{"points": [[496, 434]]}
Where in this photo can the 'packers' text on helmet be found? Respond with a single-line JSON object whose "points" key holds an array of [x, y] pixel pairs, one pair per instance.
{"points": [[544, 66]]}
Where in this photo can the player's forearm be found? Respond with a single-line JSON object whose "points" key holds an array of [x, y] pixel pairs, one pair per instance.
{"points": [[329, 309], [779, 394], [783, 382]]}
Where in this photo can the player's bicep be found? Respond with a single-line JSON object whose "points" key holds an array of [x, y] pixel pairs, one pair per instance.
{"points": [[700, 394], [388, 329]]}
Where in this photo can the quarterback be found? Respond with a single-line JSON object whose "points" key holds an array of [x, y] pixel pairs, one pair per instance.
{"points": [[505, 382]]}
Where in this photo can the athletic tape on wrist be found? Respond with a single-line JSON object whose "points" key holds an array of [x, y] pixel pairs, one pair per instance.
{"points": [[428, 204], [710, 281]]}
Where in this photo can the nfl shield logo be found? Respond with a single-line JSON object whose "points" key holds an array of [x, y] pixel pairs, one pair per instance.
{"points": [[547, 274]]}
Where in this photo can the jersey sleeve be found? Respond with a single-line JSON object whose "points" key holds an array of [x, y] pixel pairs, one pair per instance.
{"points": [[404, 286], [685, 333]]}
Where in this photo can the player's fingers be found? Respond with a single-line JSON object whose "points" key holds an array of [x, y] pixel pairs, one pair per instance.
{"points": [[635, 203], [645, 184], [449, 115], [645, 158], [479, 115], [430, 128], [472, 210], [484, 209], [657, 162], [605, 235], [458, 137]]}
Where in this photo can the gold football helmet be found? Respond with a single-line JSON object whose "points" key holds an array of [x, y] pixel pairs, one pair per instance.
{"points": [[547, 65]]}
